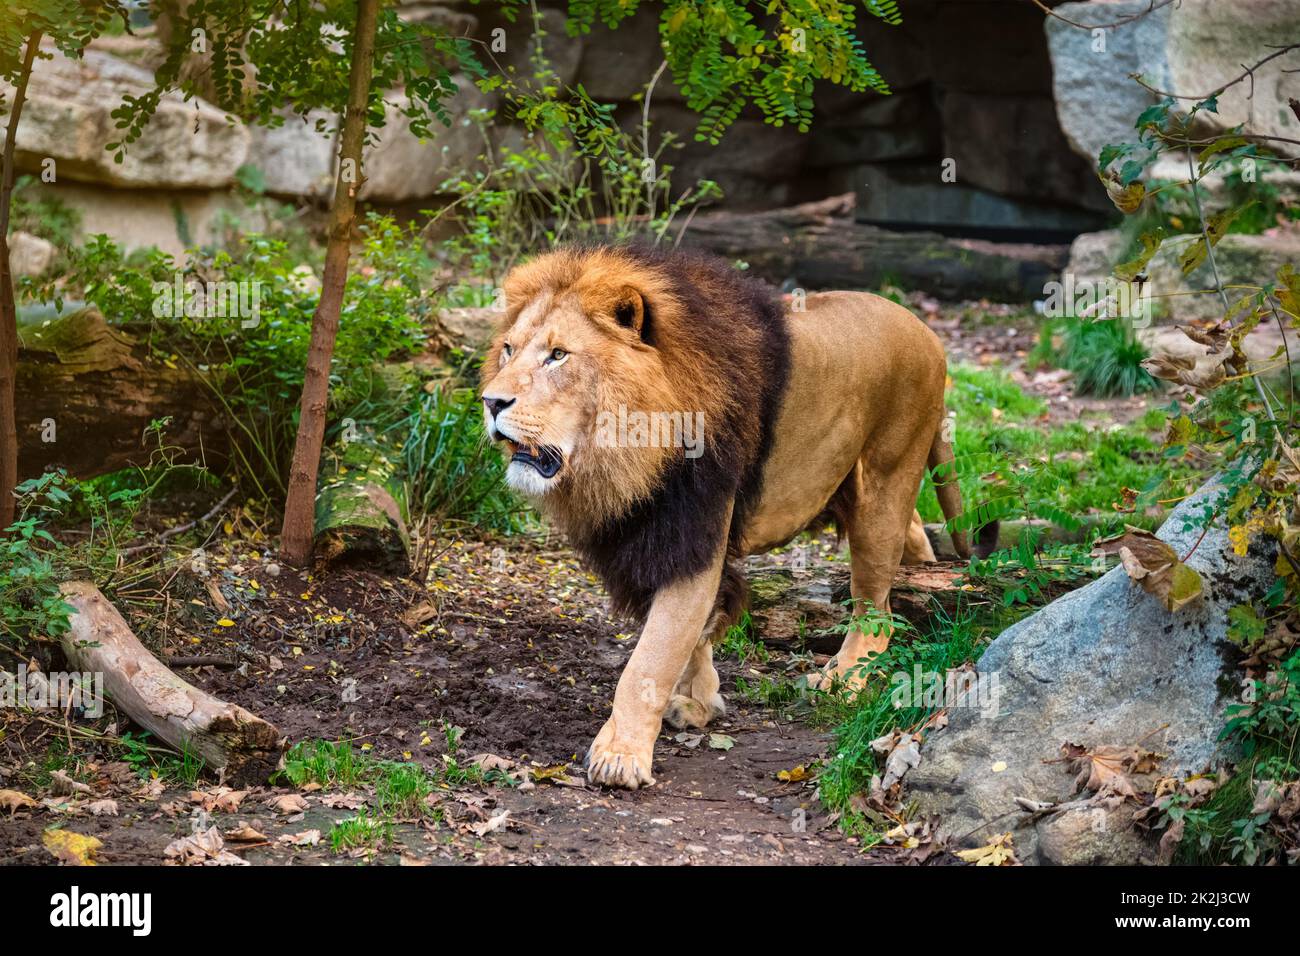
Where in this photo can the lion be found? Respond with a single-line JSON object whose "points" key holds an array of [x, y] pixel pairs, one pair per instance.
{"points": [[607, 358]]}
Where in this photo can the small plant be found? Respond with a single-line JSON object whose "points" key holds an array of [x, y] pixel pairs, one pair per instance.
{"points": [[1028, 574], [328, 764], [402, 791], [361, 832], [31, 605], [452, 473], [1106, 359], [741, 643]]}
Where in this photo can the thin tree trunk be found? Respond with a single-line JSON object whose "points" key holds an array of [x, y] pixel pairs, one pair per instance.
{"points": [[300, 504], [8, 307]]}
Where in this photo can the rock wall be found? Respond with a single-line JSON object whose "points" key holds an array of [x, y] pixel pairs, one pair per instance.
{"points": [[983, 88]]}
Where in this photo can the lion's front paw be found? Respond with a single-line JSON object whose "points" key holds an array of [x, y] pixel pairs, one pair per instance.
{"points": [[614, 761]]}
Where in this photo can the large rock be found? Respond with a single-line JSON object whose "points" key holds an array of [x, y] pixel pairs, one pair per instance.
{"points": [[295, 159], [1188, 48], [1241, 260], [915, 196], [187, 145], [402, 167], [996, 138], [172, 220], [30, 255], [1106, 665]]}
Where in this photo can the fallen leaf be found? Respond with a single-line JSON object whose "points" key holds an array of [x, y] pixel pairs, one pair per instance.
{"points": [[305, 838], [343, 801], [902, 753], [721, 741], [73, 848], [201, 849], [219, 799], [998, 852], [1106, 771], [63, 785], [245, 834], [1154, 565], [494, 823], [795, 775], [101, 808], [486, 762], [13, 801], [287, 803]]}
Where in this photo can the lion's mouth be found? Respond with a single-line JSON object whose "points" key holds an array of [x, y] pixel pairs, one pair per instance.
{"points": [[545, 459]]}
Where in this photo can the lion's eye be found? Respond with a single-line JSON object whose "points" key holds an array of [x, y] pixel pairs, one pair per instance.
{"points": [[507, 349], [558, 355]]}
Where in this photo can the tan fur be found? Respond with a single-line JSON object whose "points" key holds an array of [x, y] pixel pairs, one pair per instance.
{"points": [[859, 422]]}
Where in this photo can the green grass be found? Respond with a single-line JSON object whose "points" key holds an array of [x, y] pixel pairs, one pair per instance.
{"points": [[1105, 357], [951, 641], [361, 832], [402, 789], [741, 643], [1002, 440]]}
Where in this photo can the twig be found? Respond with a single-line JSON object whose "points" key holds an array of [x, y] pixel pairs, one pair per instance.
{"points": [[181, 529], [1249, 72], [1122, 21]]}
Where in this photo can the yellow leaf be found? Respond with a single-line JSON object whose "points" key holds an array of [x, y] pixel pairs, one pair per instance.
{"points": [[226, 622], [12, 800], [796, 775], [998, 852], [73, 848]]}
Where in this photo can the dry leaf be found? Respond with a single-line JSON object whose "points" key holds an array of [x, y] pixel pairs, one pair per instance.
{"points": [[1154, 565], [101, 808], [486, 762], [998, 852], [64, 786], [343, 801], [496, 822], [305, 838], [245, 834], [72, 848], [1106, 771], [201, 849], [904, 753], [13, 801], [287, 803], [219, 799]]}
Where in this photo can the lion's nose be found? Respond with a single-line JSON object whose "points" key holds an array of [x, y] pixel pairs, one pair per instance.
{"points": [[496, 406]]}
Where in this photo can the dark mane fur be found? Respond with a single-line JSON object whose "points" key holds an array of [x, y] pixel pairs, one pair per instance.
{"points": [[730, 330]]}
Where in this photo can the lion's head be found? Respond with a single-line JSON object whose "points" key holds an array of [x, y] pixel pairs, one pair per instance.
{"points": [[574, 358]]}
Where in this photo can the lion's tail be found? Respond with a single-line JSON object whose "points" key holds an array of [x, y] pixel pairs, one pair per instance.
{"points": [[943, 470]]}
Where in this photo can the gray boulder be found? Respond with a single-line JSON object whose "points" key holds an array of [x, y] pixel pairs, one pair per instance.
{"points": [[1106, 665], [187, 145], [1188, 48]]}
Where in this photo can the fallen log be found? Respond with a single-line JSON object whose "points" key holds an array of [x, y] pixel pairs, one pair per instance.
{"points": [[230, 740], [820, 246], [86, 391], [361, 508]]}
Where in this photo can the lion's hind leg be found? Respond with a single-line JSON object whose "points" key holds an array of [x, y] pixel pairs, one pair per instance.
{"points": [[695, 700], [881, 519]]}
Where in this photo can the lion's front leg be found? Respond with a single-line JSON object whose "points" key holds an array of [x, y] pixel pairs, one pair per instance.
{"points": [[623, 752]]}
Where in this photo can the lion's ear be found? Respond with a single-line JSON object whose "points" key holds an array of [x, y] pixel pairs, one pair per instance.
{"points": [[629, 310]]}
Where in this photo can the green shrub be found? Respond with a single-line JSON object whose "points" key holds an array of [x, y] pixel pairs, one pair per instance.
{"points": [[1106, 359]]}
